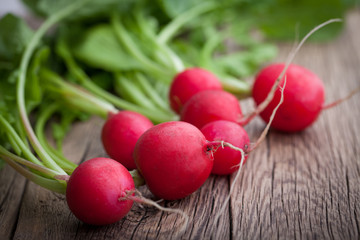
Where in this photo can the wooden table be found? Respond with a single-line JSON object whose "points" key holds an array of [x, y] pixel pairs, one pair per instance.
{"points": [[294, 186]]}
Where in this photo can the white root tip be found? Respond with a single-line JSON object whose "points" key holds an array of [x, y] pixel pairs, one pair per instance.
{"points": [[139, 198]]}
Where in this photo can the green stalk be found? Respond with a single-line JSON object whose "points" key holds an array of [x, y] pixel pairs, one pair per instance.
{"points": [[43, 117], [86, 82], [153, 114], [231, 84], [236, 86], [151, 92], [48, 172], [126, 87], [75, 96], [66, 120], [170, 30], [20, 90], [14, 144], [164, 53], [18, 141], [138, 179], [125, 39], [50, 184], [207, 51]]}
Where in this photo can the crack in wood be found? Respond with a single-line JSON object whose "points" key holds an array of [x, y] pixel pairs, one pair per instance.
{"points": [[13, 231]]}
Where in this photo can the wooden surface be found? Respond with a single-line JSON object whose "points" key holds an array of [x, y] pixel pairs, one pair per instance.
{"points": [[294, 186]]}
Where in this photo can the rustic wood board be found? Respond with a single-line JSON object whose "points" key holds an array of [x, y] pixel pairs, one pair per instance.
{"points": [[294, 186]]}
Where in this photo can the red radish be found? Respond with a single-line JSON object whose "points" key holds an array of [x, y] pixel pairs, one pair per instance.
{"points": [[174, 159], [188, 83], [211, 105], [120, 133], [226, 160], [94, 190], [303, 97]]}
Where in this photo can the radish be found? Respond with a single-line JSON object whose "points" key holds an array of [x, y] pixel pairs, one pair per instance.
{"points": [[189, 82], [304, 97], [211, 105], [120, 134], [227, 160], [174, 158], [298, 112], [96, 190]]}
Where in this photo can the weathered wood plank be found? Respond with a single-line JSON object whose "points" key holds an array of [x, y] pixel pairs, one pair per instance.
{"points": [[306, 185], [12, 186]]}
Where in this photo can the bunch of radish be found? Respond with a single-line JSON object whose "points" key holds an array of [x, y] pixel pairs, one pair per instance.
{"points": [[174, 158]]}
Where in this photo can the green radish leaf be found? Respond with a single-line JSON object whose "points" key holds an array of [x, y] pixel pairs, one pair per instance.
{"points": [[101, 49], [92, 9], [14, 35]]}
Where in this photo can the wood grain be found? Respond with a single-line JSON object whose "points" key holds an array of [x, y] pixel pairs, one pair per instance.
{"points": [[294, 186], [306, 185]]}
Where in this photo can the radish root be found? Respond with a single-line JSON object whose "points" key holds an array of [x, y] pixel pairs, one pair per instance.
{"points": [[139, 198], [266, 130], [232, 187], [337, 102]]}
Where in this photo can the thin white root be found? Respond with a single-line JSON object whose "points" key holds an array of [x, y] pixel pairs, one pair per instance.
{"points": [[289, 60], [266, 130], [142, 200], [337, 102], [232, 187], [261, 138]]}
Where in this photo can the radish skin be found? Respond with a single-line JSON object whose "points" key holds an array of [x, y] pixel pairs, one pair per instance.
{"points": [[226, 160], [120, 134], [211, 105], [189, 82], [303, 97], [95, 190], [174, 159]]}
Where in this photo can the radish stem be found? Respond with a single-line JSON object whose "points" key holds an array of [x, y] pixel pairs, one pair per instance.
{"points": [[76, 96], [126, 40], [86, 82], [43, 117], [169, 30], [20, 90], [17, 141], [50, 184]]}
